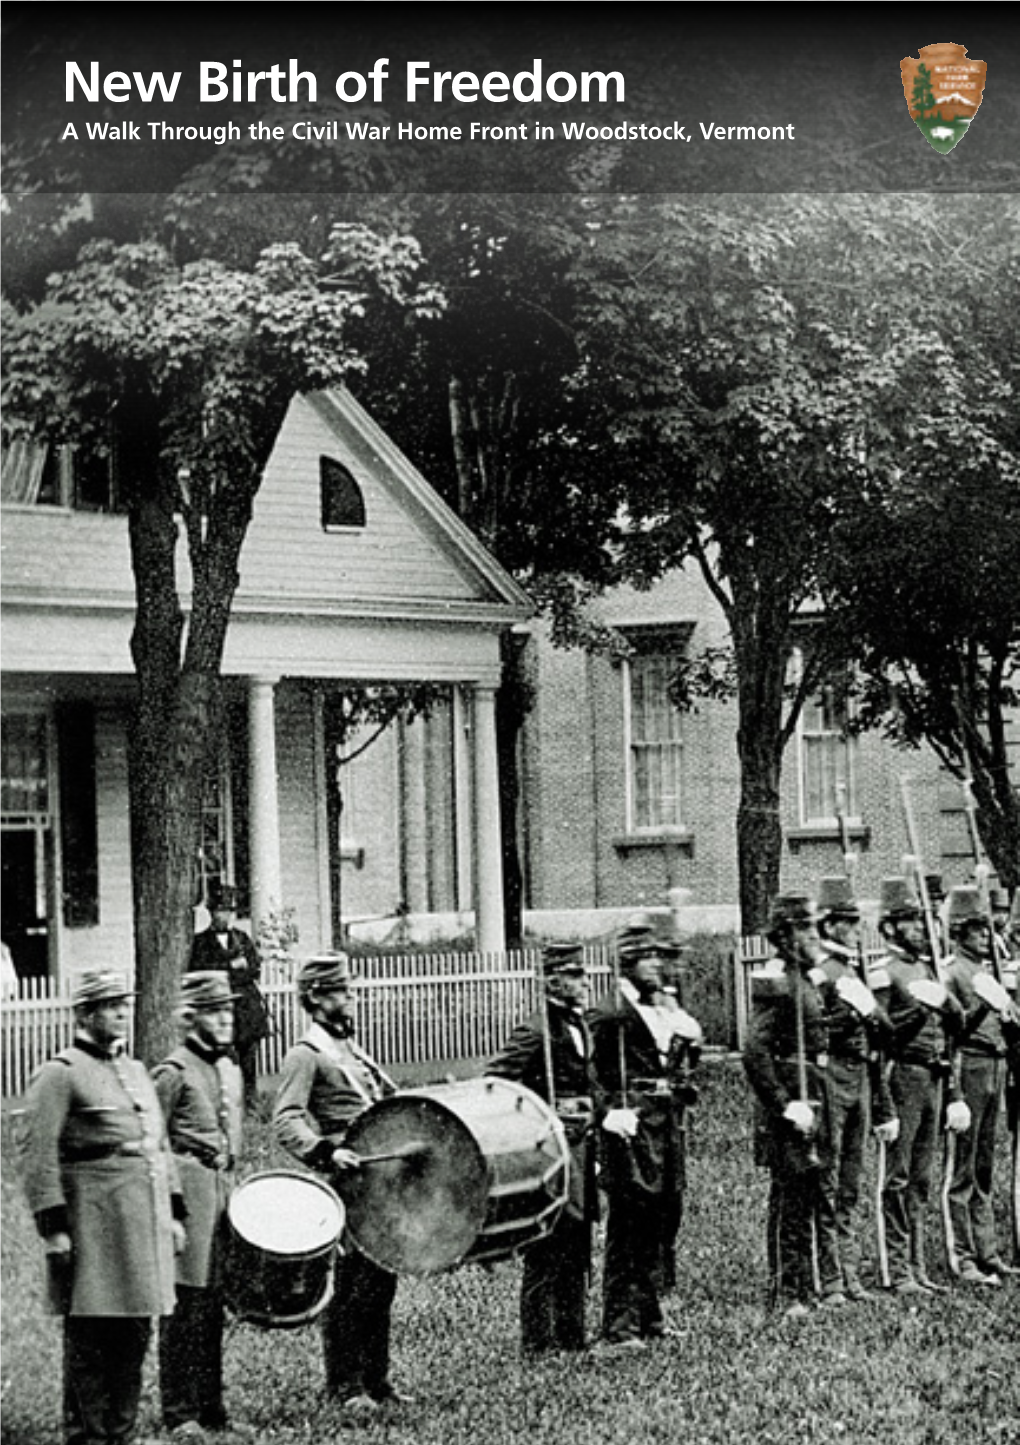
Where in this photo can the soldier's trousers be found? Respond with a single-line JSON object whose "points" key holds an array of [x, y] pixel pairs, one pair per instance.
{"points": [[191, 1359], [103, 1358], [794, 1198], [356, 1328], [971, 1234], [554, 1288], [839, 1245], [917, 1096], [632, 1268]]}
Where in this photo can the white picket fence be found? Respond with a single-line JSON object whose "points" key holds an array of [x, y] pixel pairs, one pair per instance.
{"points": [[423, 1008]]}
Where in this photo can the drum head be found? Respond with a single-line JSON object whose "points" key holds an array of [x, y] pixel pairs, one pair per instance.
{"points": [[419, 1214], [288, 1214]]}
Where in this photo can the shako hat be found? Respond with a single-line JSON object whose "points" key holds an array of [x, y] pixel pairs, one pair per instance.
{"points": [[836, 898], [898, 899], [100, 985], [998, 898], [562, 958], [206, 988], [965, 906], [323, 972], [790, 908]]}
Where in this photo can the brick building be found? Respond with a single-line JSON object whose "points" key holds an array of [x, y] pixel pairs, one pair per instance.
{"points": [[624, 797]]}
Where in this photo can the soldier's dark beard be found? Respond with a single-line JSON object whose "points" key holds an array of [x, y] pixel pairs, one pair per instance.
{"points": [[343, 1026]]}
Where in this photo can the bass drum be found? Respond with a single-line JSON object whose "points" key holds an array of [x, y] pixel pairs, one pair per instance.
{"points": [[484, 1172], [282, 1234]]}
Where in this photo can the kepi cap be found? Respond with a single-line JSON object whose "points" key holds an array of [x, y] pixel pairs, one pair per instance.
{"points": [[562, 958], [206, 988], [100, 985], [323, 972]]}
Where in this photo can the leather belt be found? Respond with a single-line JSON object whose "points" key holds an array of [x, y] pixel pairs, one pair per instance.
{"points": [[654, 1087], [571, 1104], [128, 1149]]}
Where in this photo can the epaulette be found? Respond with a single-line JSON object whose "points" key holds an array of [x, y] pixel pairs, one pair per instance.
{"points": [[172, 1063]]}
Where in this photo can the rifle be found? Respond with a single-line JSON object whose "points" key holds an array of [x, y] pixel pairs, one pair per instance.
{"points": [[982, 871], [912, 864], [797, 980], [850, 856]]}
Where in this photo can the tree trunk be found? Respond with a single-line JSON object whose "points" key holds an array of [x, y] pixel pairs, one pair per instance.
{"points": [[759, 624], [513, 703]]}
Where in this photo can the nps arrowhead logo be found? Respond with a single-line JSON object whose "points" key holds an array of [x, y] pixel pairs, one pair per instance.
{"points": [[943, 90]]}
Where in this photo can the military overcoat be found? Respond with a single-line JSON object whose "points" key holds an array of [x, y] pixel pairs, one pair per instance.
{"points": [[96, 1163]]}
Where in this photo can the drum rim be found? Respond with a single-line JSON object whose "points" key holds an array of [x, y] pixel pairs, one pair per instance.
{"points": [[305, 1178]]}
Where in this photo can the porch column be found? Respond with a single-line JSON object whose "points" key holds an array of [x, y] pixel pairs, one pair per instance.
{"points": [[263, 801], [488, 847]]}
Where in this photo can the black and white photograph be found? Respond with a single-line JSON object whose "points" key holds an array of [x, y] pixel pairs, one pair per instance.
{"points": [[511, 724]]}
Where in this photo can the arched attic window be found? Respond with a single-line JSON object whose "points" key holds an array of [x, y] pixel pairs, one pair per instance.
{"points": [[342, 504]]}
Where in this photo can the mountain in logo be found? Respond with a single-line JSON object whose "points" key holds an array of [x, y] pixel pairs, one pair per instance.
{"points": [[943, 91]]}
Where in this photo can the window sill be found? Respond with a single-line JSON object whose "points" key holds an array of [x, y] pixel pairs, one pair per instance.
{"points": [[680, 838], [828, 833]]}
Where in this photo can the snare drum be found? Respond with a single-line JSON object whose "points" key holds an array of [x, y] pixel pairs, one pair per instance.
{"points": [[491, 1176], [283, 1230]]}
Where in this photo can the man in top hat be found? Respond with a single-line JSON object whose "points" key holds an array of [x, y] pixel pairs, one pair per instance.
{"points": [[103, 1187], [924, 1019], [785, 1059], [326, 1081], [201, 1092], [644, 1054], [225, 948], [857, 1090], [549, 1052], [991, 1024]]}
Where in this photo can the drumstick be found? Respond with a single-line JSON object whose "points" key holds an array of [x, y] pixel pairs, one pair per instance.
{"points": [[413, 1150]]}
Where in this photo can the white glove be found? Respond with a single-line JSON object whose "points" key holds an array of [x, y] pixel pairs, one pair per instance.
{"points": [[621, 1122], [990, 991], [801, 1116], [888, 1132], [933, 995], [957, 1117], [686, 1026], [857, 995]]}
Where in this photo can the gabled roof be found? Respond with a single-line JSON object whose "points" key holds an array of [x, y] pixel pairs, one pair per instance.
{"points": [[349, 419]]}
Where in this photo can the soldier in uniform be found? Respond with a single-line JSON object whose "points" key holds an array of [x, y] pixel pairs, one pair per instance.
{"points": [[202, 1096], [990, 1024], [223, 947], [924, 1020], [644, 1055], [550, 1053], [326, 1081], [785, 1059], [857, 1089], [103, 1187]]}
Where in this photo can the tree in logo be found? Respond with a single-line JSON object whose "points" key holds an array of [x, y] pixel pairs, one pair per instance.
{"points": [[923, 99]]}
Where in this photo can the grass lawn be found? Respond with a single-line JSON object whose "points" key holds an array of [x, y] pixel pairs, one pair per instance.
{"points": [[945, 1370]]}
